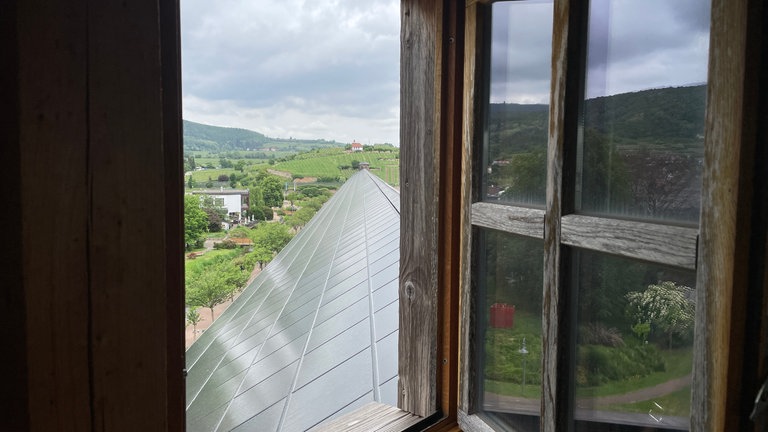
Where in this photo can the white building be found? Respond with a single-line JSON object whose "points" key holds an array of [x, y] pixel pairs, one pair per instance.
{"points": [[234, 200]]}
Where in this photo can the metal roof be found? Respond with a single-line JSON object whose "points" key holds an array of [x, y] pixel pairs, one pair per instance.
{"points": [[315, 334]]}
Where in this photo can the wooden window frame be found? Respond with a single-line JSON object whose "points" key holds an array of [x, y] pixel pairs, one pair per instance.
{"points": [[84, 75], [720, 393]]}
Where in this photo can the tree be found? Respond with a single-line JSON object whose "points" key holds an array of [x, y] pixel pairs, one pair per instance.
{"points": [[294, 196], [214, 284], [256, 204], [190, 164], [216, 213], [191, 182], [666, 306], [272, 191], [206, 289], [261, 255], [194, 318], [300, 218], [528, 175], [239, 165], [271, 236], [195, 221], [605, 181]]}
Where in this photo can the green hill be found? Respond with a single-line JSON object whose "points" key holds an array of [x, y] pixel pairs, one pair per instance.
{"points": [[216, 139], [668, 117]]}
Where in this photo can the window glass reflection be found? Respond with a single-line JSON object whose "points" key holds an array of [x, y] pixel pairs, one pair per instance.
{"points": [[517, 112], [634, 345], [509, 316], [642, 140]]}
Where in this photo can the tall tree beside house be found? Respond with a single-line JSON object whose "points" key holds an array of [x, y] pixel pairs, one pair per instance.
{"points": [[272, 190], [195, 221], [216, 213]]}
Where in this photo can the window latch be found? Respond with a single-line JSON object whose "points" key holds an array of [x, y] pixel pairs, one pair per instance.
{"points": [[761, 402]]}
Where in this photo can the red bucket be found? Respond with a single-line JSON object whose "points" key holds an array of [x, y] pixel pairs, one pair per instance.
{"points": [[502, 315]]}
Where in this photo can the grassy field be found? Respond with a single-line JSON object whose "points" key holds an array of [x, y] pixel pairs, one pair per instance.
{"points": [[201, 177]]}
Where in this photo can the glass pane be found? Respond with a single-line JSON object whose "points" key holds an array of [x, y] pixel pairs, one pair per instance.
{"points": [[517, 114], [643, 134], [509, 326], [634, 345]]}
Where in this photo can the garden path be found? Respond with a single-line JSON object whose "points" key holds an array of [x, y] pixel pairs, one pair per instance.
{"points": [[637, 395], [504, 403]]}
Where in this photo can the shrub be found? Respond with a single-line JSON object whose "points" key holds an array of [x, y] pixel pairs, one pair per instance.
{"points": [[226, 244], [504, 362], [599, 334], [599, 364]]}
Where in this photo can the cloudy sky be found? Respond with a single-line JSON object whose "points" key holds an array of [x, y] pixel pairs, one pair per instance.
{"points": [[633, 45], [330, 69], [294, 68]]}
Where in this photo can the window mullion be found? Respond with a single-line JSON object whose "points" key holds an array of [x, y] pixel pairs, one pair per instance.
{"points": [[568, 51]]}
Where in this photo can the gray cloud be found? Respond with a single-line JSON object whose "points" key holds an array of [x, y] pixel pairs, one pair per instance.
{"points": [[633, 45], [328, 60], [522, 47], [649, 44]]}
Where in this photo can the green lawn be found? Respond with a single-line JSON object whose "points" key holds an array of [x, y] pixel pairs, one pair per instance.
{"points": [[216, 235], [513, 389], [192, 265], [676, 404], [678, 363]]}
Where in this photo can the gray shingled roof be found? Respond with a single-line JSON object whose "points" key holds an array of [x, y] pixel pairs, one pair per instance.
{"points": [[315, 334]]}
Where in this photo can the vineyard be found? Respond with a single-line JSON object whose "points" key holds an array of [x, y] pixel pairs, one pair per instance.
{"points": [[338, 164]]}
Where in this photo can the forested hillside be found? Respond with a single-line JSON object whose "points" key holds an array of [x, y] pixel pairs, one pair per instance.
{"points": [[657, 117], [201, 137], [640, 152]]}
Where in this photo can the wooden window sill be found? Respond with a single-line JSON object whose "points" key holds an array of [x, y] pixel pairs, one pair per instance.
{"points": [[372, 417]]}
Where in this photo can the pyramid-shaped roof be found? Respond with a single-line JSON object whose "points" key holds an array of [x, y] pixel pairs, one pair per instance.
{"points": [[315, 334]]}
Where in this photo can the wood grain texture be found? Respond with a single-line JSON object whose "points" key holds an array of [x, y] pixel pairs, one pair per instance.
{"points": [[472, 423], [54, 202], [472, 90], [421, 26], [14, 411], [127, 232], [552, 412], [85, 136], [718, 217], [737, 30], [449, 232], [371, 417], [170, 55], [664, 244], [516, 220]]}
